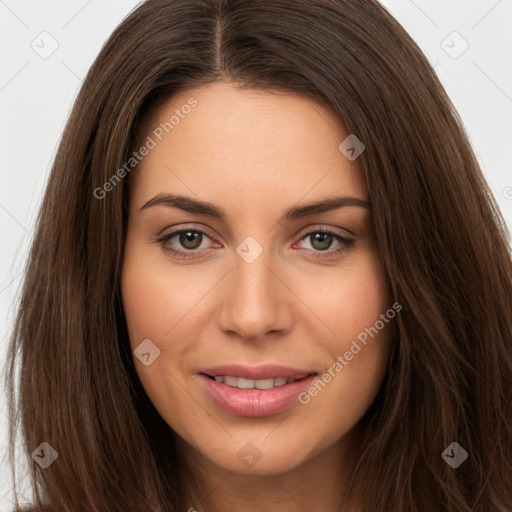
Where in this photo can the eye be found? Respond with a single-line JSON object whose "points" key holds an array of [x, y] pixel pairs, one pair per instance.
{"points": [[322, 239], [192, 242]]}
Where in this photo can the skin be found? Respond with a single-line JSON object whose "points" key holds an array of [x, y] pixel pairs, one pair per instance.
{"points": [[254, 154]]}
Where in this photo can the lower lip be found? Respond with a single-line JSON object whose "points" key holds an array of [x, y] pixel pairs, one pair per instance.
{"points": [[254, 402]]}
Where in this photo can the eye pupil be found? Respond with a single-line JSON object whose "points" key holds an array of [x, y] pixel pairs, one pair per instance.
{"points": [[321, 237], [188, 239]]}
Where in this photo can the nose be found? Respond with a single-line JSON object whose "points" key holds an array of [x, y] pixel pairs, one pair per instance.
{"points": [[256, 300]]}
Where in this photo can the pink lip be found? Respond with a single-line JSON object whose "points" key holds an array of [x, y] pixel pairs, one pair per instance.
{"points": [[254, 402], [269, 371]]}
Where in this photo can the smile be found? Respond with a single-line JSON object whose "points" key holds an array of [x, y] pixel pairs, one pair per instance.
{"points": [[243, 383], [240, 396]]}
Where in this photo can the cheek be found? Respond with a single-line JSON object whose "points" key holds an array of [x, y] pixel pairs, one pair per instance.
{"points": [[349, 300], [366, 327], [365, 296], [153, 306], [155, 300], [146, 308], [164, 306], [358, 309]]}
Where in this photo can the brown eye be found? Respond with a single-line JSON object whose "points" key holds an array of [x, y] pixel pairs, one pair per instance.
{"points": [[321, 241], [186, 243], [183, 243], [190, 239]]}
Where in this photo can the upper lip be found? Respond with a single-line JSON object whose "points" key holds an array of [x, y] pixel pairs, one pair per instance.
{"points": [[268, 371]]}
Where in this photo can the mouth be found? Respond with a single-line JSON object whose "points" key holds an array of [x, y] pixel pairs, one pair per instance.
{"points": [[241, 390], [262, 384]]}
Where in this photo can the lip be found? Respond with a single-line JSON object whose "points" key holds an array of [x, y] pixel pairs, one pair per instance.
{"points": [[254, 402], [268, 371]]}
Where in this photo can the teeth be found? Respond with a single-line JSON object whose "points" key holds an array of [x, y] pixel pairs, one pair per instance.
{"points": [[231, 381], [241, 383]]}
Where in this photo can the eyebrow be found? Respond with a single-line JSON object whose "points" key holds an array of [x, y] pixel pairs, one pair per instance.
{"points": [[296, 212]]}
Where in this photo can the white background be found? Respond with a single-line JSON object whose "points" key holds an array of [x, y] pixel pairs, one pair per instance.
{"points": [[36, 95]]}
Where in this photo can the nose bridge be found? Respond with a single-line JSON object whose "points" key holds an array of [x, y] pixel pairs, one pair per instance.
{"points": [[253, 303], [254, 279]]}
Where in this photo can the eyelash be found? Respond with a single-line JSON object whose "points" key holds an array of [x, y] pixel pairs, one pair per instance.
{"points": [[344, 241]]}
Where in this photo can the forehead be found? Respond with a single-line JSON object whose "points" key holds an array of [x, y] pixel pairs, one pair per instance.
{"points": [[219, 140]]}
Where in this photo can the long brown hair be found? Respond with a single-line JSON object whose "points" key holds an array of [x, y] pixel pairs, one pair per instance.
{"points": [[442, 239]]}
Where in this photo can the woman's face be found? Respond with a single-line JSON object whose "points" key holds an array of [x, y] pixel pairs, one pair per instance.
{"points": [[248, 285]]}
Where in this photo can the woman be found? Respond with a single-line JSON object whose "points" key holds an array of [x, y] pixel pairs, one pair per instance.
{"points": [[338, 338]]}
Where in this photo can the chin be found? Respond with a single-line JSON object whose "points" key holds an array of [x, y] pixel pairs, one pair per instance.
{"points": [[258, 458]]}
